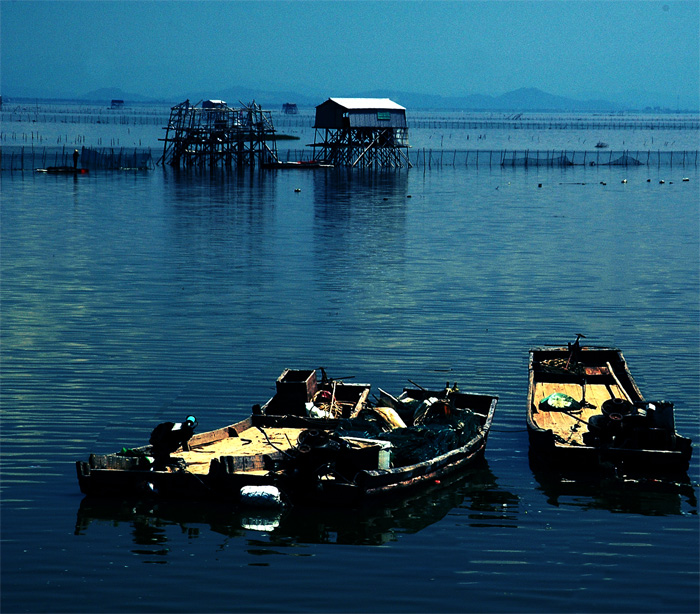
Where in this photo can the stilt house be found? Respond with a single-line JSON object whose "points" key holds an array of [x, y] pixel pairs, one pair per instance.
{"points": [[361, 132]]}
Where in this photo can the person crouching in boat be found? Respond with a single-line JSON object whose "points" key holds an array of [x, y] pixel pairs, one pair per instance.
{"points": [[167, 437]]}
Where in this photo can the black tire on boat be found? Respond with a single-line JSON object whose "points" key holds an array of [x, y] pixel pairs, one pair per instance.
{"points": [[313, 438], [616, 406]]}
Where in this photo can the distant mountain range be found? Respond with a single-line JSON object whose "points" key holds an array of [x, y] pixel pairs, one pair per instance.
{"points": [[520, 100], [524, 99]]}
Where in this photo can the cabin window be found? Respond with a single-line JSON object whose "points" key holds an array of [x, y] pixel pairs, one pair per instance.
{"points": [[383, 116]]}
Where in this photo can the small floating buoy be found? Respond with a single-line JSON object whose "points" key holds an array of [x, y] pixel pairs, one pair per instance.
{"points": [[297, 189], [265, 523], [261, 496], [603, 183], [624, 181], [648, 180], [408, 196], [686, 179], [539, 185], [661, 181], [385, 198]]}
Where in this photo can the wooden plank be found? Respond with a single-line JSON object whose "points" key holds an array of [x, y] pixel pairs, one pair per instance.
{"points": [[249, 443], [619, 385], [565, 425]]}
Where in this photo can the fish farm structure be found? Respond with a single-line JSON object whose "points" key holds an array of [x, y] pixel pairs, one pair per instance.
{"points": [[361, 132], [212, 133]]}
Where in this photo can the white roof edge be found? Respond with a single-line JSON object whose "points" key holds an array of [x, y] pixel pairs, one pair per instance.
{"points": [[368, 103]]}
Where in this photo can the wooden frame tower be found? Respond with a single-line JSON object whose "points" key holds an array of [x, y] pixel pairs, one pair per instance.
{"points": [[212, 133]]}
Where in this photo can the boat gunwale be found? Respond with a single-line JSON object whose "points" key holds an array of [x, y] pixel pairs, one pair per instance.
{"points": [[482, 435]]}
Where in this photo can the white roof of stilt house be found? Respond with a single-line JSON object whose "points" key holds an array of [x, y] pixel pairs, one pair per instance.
{"points": [[368, 103], [342, 113]]}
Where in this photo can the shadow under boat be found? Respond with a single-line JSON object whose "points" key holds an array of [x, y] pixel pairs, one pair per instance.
{"points": [[646, 494], [373, 524]]}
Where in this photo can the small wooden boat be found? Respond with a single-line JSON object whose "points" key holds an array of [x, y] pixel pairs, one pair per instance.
{"points": [[585, 412], [317, 441], [299, 165], [63, 170]]}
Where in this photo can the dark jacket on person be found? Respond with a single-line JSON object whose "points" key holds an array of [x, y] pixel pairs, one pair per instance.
{"points": [[167, 437]]}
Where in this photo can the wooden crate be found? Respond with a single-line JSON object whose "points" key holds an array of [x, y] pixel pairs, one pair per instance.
{"points": [[296, 387]]}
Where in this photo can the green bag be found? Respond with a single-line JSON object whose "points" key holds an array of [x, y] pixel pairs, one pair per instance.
{"points": [[561, 401]]}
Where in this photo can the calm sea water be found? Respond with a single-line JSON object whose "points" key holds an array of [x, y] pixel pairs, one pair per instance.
{"points": [[132, 298], [49, 125]]}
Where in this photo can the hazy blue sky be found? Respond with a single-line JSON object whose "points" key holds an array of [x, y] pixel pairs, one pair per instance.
{"points": [[166, 48]]}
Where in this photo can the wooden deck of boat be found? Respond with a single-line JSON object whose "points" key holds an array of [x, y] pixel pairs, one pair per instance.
{"points": [[250, 443], [564, 425]]}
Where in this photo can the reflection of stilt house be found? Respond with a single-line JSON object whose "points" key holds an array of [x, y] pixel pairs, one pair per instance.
{"points": [[364, 132], [212, 133]]}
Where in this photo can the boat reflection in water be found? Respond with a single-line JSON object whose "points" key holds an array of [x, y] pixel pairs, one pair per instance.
{"points": [[372, 525], [648, 495]]}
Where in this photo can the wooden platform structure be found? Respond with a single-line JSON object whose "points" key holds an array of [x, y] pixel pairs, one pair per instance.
{"points": [[212, 133], [361, 132]]}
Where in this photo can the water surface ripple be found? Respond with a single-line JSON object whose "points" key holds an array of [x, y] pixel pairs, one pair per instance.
{"points": [[133, 298]]}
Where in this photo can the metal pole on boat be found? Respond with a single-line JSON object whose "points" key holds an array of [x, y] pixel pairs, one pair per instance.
{"points": [[574, 348], [417, 385], [575, 417]]}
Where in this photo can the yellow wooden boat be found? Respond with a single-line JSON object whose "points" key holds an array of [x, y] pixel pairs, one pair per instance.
{"points": [[316, 441], [586, 412]]}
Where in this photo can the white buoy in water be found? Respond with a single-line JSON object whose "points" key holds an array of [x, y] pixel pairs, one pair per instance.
{"points": [[263, 524], [261, 496]]}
